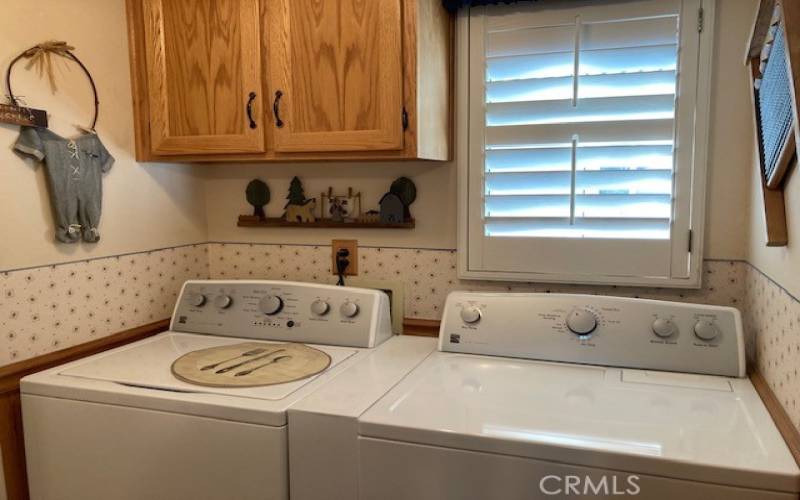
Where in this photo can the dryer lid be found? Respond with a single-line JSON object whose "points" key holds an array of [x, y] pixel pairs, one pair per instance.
{"points": [[693, 427]]}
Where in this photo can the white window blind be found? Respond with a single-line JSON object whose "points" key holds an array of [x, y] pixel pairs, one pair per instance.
{"points": [[582, 137]]}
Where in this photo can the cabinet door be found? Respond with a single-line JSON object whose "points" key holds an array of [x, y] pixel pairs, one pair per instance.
{"points": [[336, 75], [204, 76]]}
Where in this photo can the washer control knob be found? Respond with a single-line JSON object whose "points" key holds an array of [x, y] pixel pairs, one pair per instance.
{"points": [[581, 322], [270, 304], [196, 299], [349, 309], [223, 301], [471, 314], [664, 328], [320, 307], [706, 329]]}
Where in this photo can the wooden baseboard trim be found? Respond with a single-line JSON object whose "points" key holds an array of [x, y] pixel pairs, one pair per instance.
{"points": [[11, 437], [782, 420], [10, 374], [421, 327]]}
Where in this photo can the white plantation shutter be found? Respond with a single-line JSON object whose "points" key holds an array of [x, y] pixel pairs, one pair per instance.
{"points": [[582, 138]]}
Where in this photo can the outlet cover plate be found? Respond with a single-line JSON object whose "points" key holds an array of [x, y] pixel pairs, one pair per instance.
{"points": [[352, 246]]}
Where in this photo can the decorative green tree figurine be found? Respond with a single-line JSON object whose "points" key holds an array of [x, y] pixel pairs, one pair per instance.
{"points": [[296, 194], [298, 208], [257, 193], [405, 189]]}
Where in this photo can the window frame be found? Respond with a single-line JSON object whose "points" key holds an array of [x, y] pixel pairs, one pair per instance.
{"points": [[696, 195]]}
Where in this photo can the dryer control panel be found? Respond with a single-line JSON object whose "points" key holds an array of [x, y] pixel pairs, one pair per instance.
{"points": [[598, 330], [284, 310]]}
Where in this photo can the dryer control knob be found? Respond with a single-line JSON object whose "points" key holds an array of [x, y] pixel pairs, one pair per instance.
{"points": [[349, 309], [320, 307], [471, 314], [706, 330], [196, 299], [664, 328], [581, 321], [270, 304], [223, 301]]}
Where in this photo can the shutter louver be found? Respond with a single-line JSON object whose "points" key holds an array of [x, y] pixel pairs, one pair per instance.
{"points": [[586, 153]]}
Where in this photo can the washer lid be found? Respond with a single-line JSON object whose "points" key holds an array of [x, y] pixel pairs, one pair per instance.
{"points": [[694, 427], [148, 364]]}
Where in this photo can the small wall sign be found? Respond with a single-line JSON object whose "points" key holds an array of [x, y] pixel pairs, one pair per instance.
{"points": [[18, 115]]}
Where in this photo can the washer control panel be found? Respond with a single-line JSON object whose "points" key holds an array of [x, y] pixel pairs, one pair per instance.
{"points": [[282, 310], [610, 331]]}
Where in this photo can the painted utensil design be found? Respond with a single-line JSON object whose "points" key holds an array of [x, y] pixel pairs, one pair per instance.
{"points": [[252, 352], [251, 370], [237, 365]]}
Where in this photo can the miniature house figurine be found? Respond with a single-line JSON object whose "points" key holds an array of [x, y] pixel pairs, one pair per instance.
{"points": [[392, 209]]}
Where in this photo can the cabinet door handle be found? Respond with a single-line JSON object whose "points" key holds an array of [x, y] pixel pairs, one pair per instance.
{"points": [[276, 108], [250, 109]]}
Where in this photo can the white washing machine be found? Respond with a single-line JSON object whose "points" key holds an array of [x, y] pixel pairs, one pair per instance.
{"points": [[535, 396], [121, 426]]}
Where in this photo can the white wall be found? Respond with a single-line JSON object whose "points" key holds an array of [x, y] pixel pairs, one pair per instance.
{"points": [[782, 264], [729, 153], [144, 206], [435, 208], [150, 206], [731, 141]]}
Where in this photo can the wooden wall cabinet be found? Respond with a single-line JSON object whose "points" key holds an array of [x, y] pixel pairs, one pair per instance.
{"points": [[203, 74], [336, 72], [283, 80]]}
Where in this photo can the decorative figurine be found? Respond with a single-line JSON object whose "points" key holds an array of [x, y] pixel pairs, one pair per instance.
{"points": [[338, 209], [405, 189], [392, 209], [258, 195], [298, 208], [296, 194], [341, 208], [301, 213], [370, 216]]}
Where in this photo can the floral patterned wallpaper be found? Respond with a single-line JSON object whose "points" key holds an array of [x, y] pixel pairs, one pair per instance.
{"points": [[429, 275], [772, 321], [48, 308]]}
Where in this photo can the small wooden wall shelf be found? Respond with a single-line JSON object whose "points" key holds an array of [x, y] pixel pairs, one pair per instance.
{"points": [[250, 221]]}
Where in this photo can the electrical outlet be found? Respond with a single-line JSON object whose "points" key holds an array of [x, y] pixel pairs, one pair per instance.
{"points": [[350, 245]]}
